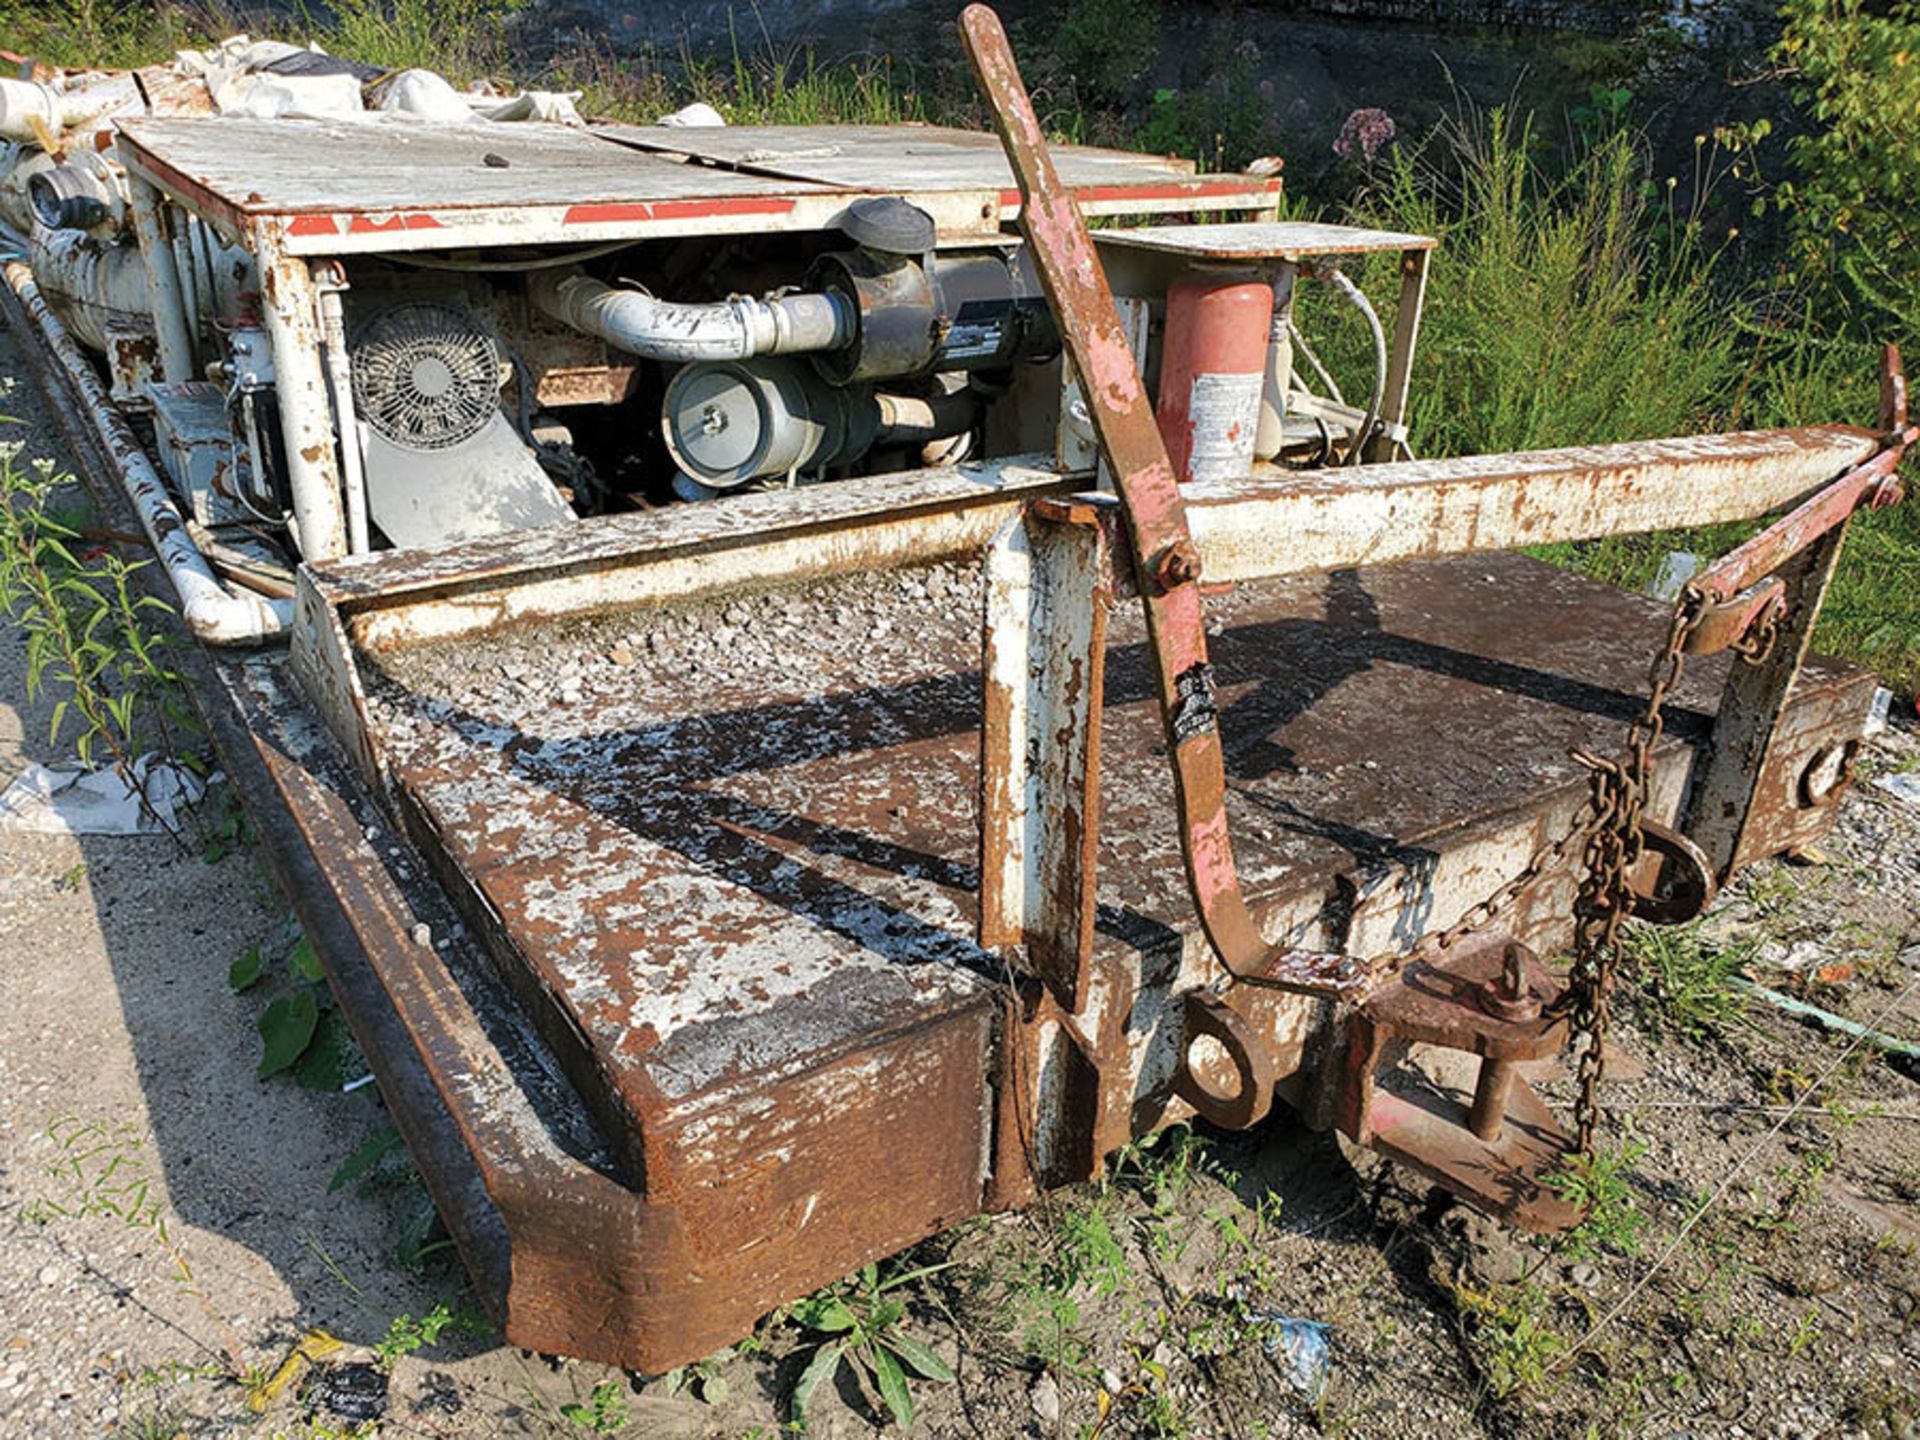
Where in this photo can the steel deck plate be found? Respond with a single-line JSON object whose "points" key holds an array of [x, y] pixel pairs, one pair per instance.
{"points": [[1262, 240], [719, 875], [893, 158], [377, 165]]}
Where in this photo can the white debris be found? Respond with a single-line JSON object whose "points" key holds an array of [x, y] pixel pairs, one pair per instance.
{"points": [[71, 799], [1046, 1400], [1878, 712], [554, 107], [1905, 785], [425, 96], [1676, 568], [696, 114]]}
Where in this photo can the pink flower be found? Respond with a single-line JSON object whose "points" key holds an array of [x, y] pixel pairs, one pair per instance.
{"points": [[1363, 136]]}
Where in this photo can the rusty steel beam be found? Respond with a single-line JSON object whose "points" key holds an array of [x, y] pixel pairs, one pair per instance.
{"points": [[398, 598], [1293, 524], [1047, 578]]}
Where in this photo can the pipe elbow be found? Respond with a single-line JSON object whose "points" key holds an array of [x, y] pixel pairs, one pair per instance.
{"points": [[683, 333]]}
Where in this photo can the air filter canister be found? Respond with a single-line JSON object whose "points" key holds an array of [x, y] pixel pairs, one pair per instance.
{"points": [[1212, 371], [727, 422]]}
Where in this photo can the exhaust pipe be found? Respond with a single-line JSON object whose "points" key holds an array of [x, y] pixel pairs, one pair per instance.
{"points": [[736, 329]]}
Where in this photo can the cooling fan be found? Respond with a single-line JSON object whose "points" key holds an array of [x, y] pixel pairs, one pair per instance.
{"points": [[426, 376], [443, 462]]}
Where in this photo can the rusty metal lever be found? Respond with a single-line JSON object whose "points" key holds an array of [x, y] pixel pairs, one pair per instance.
{"points": [[1166, 563], [1734, 580]]}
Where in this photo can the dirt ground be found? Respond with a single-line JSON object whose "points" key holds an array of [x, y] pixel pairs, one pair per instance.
{"points": [[167, 1223]]}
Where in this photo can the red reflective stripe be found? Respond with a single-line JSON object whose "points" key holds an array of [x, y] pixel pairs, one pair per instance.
{"points": [[314, 225], [616, 212], [607, 214], [367, 225], [737, 205]]}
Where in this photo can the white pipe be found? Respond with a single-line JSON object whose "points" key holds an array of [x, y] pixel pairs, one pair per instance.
{"points": [[1270, 437], [735, 329], [213, 614], [292, 315], [163, 285], [352, 468], [90, 284], [24, 101]]}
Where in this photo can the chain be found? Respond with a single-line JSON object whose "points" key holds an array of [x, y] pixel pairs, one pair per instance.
{"points": [[1614, 845], [1486, 911], [1607, 828]]}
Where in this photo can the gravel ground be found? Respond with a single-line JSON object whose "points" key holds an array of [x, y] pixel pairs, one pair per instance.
{"points": [[1787, 1309]]}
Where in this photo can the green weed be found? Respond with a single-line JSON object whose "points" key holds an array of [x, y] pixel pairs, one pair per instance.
{"points": [[1163, 1165], [100, 1174], [87, 630], [1685, 974], [405, 1335], [301, 1030], [1512, 1335], [860, 1322], [1599, 1184], [702, 1379], [604, 1412]]}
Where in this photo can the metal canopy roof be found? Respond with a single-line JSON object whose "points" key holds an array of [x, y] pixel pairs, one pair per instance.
{"points": [[379, 183], [894, 157]]}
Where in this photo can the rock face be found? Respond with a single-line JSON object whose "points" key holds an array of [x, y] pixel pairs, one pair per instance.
{"points": [[702, 22]]}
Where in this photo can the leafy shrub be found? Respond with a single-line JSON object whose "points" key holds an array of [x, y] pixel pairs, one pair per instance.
{"points": [[1855, 196]]}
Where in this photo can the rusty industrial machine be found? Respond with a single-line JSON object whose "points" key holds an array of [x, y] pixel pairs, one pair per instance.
{"points": [[803, 693]]}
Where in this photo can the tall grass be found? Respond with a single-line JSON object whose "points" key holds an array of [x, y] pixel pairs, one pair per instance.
{"points": [[765, 86], [108, 34], [1556, 319], [461, 39], [1571, 302]]}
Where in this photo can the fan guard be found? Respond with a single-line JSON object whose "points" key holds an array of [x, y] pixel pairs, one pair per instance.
{"points": [[426, 376]]}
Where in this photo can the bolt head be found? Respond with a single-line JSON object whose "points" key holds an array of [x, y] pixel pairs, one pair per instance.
{"points": [[1179, 564]]}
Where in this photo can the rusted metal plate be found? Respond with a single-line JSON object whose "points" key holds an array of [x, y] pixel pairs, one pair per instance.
{"points": [[711, 876], [1422, 1124]]}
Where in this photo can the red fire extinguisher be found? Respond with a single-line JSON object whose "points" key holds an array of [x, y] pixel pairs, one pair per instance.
{"points": [[1212, 370]]}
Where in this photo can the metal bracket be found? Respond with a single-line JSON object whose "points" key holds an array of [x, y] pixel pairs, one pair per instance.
{"points": [[1724, 624], [1256, 1071], [1675, 882], [1491, 998], [1804, 544]]}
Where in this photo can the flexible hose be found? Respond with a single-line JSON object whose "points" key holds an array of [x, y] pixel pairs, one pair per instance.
{"points": [[1356, 298]]}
